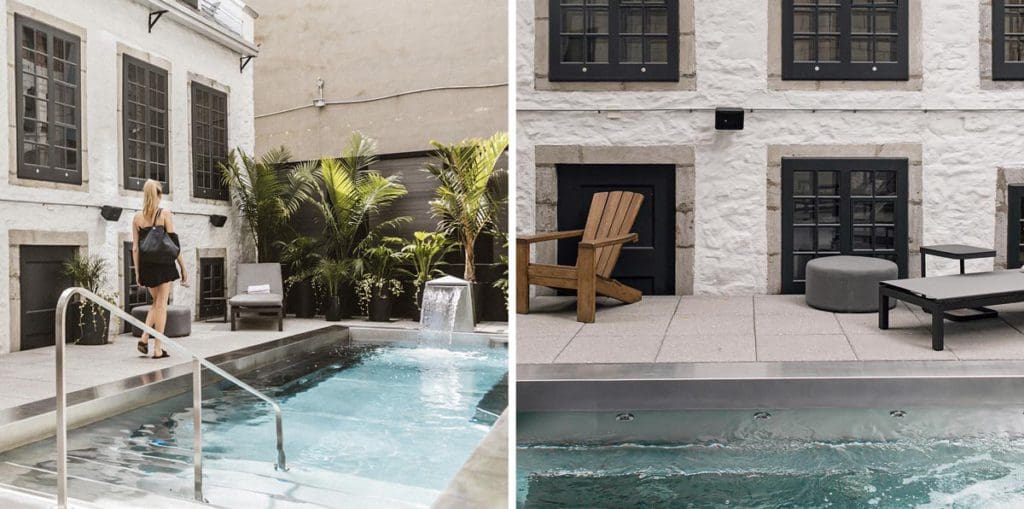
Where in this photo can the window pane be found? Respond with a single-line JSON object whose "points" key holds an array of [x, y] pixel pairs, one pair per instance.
{"points": [[1014, 21], [828, 49], [572, 21], [1014, 49], [572, 49], [885, 21], [885, 183], [803, 49], [803, 238], [657, 21], [860, 49], [803, 211], [800, 266], [632, 50], [657, 51], [632, 21], [860, 21], [862, 238], [597, 50], [885, 237], [597, 21], [828, 183], [803, 21], [803, 183], [885, 212], [828, 211], [885, 49], [862, 211], [828, 238], [860, 183], [828, 22]]}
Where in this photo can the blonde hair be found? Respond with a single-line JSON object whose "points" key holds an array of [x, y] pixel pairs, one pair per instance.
{"points": [[151, 192]]}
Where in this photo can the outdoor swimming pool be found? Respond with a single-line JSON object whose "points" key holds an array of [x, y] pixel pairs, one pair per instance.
{"points": [[387, 426], [839, 458]]}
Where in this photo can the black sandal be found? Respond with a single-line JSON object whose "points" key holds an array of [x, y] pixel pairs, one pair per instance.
{"points": [[163, 355], [142, 347]]}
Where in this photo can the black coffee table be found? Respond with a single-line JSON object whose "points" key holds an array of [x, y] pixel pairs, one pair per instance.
{"points": [[960, 252]]}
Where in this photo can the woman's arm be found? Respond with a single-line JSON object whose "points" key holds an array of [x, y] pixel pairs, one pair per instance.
{"points": [[169, 227], [135, 247]]}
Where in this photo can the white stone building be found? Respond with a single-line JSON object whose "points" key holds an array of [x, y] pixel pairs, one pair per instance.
{"points": [[100, 95], [825, 86]]}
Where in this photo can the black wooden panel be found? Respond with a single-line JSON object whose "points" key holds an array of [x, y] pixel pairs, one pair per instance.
{"points": [[41, 286], [649, 264]]}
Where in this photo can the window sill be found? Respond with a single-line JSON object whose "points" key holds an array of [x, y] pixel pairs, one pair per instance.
{"points": [[685, 83], [914, 84]]}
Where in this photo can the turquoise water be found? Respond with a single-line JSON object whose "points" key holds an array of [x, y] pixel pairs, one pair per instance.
{"points": [[364, 426], [839, 458]]}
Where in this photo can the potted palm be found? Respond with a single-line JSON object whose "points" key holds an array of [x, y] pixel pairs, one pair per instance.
{"points": [[348, 199], [426, 252], [87, 322], [266, 194], [467, 201], [379, 287], [300, 258], [331, 273]]}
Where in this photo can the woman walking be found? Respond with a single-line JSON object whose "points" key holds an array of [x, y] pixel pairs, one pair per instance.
{"points": [[155, 270]]}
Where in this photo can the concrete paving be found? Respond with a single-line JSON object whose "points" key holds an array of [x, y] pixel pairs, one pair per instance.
{"points": [[761, 328]]}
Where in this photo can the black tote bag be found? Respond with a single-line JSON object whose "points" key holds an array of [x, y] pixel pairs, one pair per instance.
{"points": [[158, 246]]}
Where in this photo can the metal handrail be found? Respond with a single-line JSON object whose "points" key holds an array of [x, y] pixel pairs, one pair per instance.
{"points": [[197, 393]]}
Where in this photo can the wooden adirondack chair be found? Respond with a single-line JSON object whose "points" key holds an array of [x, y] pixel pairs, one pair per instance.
{"points": [[611, 216]]}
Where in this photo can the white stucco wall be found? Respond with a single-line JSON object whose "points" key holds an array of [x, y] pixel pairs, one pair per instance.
{"points": [[961, 150], [108, 25]]}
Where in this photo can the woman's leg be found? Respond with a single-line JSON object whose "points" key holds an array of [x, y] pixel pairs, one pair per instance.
{"points": [[150, 316], [159, 310]]}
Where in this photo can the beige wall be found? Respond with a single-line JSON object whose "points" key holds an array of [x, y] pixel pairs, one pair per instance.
{"points": [[365, 52]]}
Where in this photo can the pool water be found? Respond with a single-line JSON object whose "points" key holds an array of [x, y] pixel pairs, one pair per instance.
{"points": [[840, 458], [385, 426]]}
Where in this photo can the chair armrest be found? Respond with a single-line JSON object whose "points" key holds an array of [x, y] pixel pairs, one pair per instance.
{"points": [[546, 236], [609, 241]]}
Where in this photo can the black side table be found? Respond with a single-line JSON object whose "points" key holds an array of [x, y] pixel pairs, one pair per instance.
{"points": [[962, 253]]}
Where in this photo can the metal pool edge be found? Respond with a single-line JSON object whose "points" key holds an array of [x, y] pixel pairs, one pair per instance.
{"points": [[691, 386], [396, 335], [35, 421]]}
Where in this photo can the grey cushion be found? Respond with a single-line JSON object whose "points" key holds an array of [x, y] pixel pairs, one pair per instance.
{"points": [[256, 300], [250, 274], [847, 284], [179, 320]]}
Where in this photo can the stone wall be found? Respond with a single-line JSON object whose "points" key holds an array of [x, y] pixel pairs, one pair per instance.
{"points": [[964, 126], [40, 212]]}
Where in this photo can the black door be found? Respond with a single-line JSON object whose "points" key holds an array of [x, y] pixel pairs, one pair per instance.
{"points": [[41, 286], [1015, 225], [134, 295], [842, 207], [649, 264]]}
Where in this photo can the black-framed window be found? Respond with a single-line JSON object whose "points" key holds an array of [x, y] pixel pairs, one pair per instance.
{"points": [[1015, 227], [144, 120], [211, 287], [845, 40], [614, 40], [48, 98], [134, 294], [209, 141], [1008, 39], [842, 207]]}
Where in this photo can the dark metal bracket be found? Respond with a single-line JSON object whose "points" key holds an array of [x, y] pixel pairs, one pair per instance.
{"points": [[155, 16], [244, 61]]}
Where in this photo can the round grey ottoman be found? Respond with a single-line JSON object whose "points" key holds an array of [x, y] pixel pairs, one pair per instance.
{"points": [[179, 320], [847, 284]]}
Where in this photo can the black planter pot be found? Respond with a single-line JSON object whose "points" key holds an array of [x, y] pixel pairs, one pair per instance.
{"points": [[350, 305], [477, 294], [91, 329], [380, 307], [303, 300], [332, 312]]}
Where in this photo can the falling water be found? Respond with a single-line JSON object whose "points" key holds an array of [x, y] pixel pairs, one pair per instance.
{"points": [[437, 320]]}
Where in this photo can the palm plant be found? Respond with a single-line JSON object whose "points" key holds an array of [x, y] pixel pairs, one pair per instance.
{"points": [[348, 198], [466, 201], [427, 252], [381, 261], [265, 193], [331, 273]]}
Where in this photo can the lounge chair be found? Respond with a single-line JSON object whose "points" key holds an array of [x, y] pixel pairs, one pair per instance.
{"points": [[611, 216], [253, 275]]}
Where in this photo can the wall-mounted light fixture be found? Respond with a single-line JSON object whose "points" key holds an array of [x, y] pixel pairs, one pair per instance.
{"points": [[110, 212], [729, 119], [218, 221]]}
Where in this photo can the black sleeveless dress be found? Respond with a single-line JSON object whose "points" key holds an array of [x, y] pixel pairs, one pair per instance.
{"points": [[156, 274]]}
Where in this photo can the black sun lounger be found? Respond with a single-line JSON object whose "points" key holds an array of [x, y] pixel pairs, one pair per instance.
{"points": [[943, 293]]}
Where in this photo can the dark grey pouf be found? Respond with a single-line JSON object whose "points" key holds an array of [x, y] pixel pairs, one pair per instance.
{"points": [[847, 284], [179, 320]]}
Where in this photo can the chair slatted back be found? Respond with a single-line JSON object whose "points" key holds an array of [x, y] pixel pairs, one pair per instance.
{"points": [[612, 214]]}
